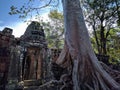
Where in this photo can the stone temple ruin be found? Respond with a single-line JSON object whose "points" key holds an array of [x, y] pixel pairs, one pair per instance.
{"points": [[26, 62], [35, 49], [6, 39], [23, 59]]}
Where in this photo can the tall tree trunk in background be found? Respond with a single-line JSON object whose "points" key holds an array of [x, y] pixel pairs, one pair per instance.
{"points": [[103, 39], [87, 73], [96, 39]]}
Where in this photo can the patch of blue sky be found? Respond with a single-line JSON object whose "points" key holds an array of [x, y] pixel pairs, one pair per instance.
{"points": [[13, 21]]}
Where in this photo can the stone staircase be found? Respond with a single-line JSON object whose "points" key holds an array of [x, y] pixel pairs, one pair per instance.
{"points": [[31, 84]]}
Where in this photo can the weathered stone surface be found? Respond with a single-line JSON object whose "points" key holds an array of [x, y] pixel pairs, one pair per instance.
{"points": [[57, 85], [35, 45], [27, 55], [32, 82], [34, 36], [103, 58], [54, 54], [14, 64], [57, 71], [6, 39]]}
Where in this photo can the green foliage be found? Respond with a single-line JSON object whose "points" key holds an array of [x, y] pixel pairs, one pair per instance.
{"points": [[31, 7], [23, 11], [102, 16], [54, 30], [113, 45], [54, 14]]}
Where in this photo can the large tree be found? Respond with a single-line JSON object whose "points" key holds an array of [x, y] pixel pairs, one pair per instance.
{"points": [[87, 73], [78, 55]]}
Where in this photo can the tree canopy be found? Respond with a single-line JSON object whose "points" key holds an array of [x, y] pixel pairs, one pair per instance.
{"points": [[102, 16], [54, 30]]}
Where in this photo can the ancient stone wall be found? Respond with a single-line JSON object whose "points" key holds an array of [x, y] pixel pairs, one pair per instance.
{"points": [[55, 54], [5, 56], [35, 46]]}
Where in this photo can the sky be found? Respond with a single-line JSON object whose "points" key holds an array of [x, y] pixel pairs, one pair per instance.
{"points": [[12, 21]]}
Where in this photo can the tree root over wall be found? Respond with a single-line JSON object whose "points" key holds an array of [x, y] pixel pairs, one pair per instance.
{"points": [[88, 74], [91, 80]]}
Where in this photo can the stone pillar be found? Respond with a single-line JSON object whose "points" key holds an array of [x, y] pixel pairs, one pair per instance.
{"points": [[32, 67], [13, 70], [6, 38], [39, 66]]}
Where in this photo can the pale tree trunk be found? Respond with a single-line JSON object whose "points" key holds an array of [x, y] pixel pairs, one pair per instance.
{"points": [[87, 73]]}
